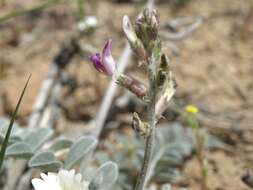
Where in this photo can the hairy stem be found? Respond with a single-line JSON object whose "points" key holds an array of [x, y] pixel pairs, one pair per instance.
{"points": [[149, 144]]}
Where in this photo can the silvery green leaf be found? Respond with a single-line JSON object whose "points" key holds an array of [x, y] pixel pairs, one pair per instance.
{"points": [[61, 143], [12, 139], [123, 182], [105, 177], [78, 150], [152, 187], [15, 132], [19, 150], [45, 161], [101, 157], [166, 187], [166, 174], [4, 122], [213, 142], [171, 159], [38, 137]]}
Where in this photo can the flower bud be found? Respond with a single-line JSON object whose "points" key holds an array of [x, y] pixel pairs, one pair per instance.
{"points": [[133, 85], [166, 93], [162, 74], [134, 41], [129, 30], [147, 26], [164, 62], [139, 126], [154, 19]]}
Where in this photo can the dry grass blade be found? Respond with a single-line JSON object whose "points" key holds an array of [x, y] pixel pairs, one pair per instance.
{"points": [[21, 12]]}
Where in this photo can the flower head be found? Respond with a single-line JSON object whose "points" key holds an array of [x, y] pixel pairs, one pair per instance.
{"points": [[64, 180], [191, 109], [104, 62]]}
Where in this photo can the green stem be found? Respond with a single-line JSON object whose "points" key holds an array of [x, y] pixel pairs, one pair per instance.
{"points": [[81, 4], [149, 144], [28, 10], [201, 159]]}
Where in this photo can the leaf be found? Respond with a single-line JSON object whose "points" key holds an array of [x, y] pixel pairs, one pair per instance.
{"points": [[36, 138], [19, 150], [7, 136], [166, 174], [166, 187], [15, 132], [78, 150], [105, 177], [45, 161], [101, 157], [61, 143], [214, 142]]}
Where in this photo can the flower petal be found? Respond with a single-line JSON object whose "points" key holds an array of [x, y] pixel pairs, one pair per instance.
{"points": [[38, 184], [96, 60], [107, 59], [107, 48]]}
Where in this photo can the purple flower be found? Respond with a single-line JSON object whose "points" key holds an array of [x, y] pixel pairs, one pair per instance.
{"points": [[105, 63]]}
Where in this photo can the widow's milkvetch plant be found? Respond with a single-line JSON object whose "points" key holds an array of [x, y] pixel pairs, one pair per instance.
{"points": [[146, 45]]}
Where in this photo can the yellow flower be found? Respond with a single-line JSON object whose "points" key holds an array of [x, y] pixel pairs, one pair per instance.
{"points": [[191, 109]]}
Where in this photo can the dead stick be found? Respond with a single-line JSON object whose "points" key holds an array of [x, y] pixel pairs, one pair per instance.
{"points": [[69, 49]]}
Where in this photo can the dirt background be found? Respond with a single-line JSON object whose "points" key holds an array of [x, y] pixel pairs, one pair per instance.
{"points": [[213, 69]]}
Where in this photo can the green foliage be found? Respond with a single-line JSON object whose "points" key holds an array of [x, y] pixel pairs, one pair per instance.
{"points": [[19, 150], [105, 177], [174, 143], [29, 147], [78, 150], [166, 187], [45, 161], [16, 132], [61, 144], [38, 137], [25, 147]]}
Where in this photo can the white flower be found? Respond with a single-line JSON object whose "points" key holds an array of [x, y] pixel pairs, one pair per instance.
{"points": [[64, 180]]}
